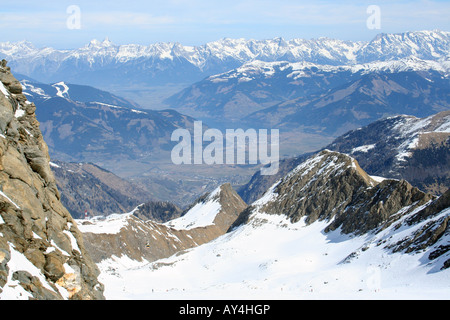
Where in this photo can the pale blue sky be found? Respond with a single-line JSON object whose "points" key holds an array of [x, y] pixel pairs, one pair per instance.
{"points": [[195, 22]]}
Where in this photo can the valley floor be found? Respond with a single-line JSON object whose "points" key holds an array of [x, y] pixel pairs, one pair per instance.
{"points": [[273, 259]]}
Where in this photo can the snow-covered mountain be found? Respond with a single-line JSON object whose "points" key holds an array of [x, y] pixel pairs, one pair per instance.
{"points": [[104, 62], [325, 230], [257, 85], [372, 96]]}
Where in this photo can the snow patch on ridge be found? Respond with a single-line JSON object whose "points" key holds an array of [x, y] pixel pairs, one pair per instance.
{"points": [[111, 224], [201, 215], [62, 89]]}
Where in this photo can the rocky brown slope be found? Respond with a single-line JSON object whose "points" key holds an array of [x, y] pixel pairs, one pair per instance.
{"points": [[42, 254], [87, 187], [127, 235]]}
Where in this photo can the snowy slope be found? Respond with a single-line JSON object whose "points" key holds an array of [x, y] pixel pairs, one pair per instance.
{"points": [[409, 130], [269, 256], [202, 214], [402, 135], [39, 92], [111, 224], [273, 258]]}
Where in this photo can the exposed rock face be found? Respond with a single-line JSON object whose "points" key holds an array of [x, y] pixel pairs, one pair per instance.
{"points": [[259, 184], [127, 235], [436, 227], [158, 211], [42, 255], [331, 186], [87, 187]]}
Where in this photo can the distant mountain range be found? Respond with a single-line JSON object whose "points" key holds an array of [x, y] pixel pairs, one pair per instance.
{"points": [[313, 89], [102, 63]]}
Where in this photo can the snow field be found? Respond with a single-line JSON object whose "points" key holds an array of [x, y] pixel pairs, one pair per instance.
{"points": [[274, 259]]}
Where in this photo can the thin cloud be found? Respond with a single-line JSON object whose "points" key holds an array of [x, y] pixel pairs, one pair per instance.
{"points": [[124, 19]]}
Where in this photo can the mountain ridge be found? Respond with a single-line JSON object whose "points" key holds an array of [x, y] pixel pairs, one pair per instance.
{"points": [[349, 187], [258, 87]]}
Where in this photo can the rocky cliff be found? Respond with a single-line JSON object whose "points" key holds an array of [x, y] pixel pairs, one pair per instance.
{"points": [[42, 255]]}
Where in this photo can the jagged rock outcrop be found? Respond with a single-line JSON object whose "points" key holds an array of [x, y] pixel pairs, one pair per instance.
{"points": [[436, 227], [127, 235], [259, 184], [42, 255], [331, 186]]}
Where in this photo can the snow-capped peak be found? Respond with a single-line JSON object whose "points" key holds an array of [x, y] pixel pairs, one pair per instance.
{"points": [[94, 43]]}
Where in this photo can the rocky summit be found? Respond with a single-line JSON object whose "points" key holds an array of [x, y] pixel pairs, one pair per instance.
{"points": [[42, 254]]}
